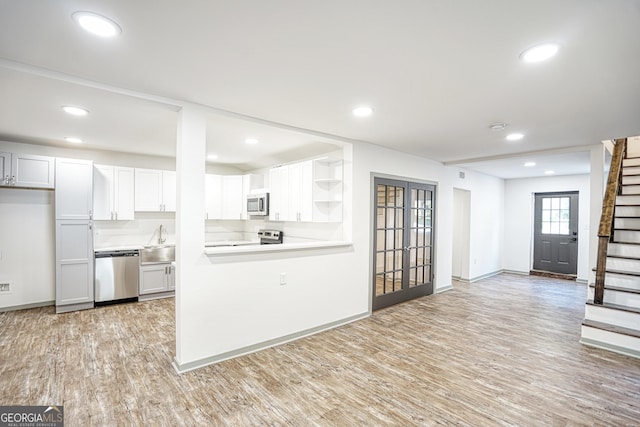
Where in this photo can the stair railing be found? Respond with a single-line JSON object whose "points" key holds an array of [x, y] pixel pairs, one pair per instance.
{"points": [[605, 230]]}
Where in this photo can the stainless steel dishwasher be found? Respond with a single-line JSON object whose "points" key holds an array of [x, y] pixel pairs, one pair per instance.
{"points": [[116, 275]]}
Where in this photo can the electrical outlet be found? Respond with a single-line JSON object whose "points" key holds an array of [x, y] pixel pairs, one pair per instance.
{"points": [[283, 278], [5, 287]]}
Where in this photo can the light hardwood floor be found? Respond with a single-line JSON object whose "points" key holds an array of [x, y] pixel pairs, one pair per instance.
{"points": [[502, 351]]}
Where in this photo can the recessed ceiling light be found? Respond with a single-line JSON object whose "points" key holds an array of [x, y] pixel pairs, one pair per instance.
{"points": [[362, 111], [75, 111], [96, 24], [497, 126], [73, 139], [540, 52], [529, 164], [549, 172], [515, 136], [212, 156], [251, 141]]}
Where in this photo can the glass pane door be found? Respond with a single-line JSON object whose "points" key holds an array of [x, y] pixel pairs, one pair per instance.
{"points": [[403, 241], [420, 245], [390, 238]]}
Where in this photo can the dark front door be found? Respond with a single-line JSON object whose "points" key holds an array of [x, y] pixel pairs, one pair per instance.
{"points": [[555, 243], [403, 241]]}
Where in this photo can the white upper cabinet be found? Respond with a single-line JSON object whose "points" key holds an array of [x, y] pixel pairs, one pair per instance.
{"points": [[155, 190], [5, 168], [213, 196], [26, 170], [169, 199], [113, 197], [74, 189], [307, 191], [300, 188], [279, 193], [232, 197], [226, 195]]}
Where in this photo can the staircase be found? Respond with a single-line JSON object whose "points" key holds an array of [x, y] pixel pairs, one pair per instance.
{"points": [[615, 324]]}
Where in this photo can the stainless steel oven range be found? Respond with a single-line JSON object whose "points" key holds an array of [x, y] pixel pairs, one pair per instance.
{"points": [[270, 237]]}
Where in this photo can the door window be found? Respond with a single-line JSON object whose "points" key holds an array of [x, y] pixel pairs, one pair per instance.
{"points": [[556, 214]]}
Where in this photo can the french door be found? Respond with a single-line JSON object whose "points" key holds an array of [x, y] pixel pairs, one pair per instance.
{"points": [[403, 241]]}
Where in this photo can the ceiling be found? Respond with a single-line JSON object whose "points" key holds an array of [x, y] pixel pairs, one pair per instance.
{"points": [[437, 74]]}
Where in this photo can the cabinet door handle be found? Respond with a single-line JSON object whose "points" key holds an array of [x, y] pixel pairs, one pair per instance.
{"points": [[13, 180]]}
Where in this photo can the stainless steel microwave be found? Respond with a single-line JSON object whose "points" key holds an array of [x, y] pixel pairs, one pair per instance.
{"points": [[258, 204]]}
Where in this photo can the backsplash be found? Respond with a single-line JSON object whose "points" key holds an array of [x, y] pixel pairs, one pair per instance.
{"points": [[142, 231]]}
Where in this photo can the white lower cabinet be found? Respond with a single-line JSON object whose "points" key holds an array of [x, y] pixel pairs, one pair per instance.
{"points": [[74, 265], [156, 280]]}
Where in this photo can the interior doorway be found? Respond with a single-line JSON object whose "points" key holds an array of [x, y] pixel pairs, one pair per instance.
{"points": [[402, 241], [555, 236], [461, 234]]}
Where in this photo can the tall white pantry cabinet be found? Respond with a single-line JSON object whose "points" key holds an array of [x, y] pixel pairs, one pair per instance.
{"points": [[74, 234]]}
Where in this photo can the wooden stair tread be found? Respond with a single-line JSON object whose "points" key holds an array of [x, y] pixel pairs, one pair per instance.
{"points": [[623, 256], [611, 328], [620, 242], [615, 307], [624, 273], [617, 288]]}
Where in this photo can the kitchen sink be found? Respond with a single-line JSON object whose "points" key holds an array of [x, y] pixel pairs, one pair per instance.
{"points": [[159, 254]]}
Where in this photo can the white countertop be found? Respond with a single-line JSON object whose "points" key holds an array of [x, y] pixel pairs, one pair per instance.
{"points": [[218, 243], [252, 249], [232, 247], [117, 248], [215, 243]]}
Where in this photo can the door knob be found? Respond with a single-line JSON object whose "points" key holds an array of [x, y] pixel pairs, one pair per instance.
{"points": [[575, 239]]}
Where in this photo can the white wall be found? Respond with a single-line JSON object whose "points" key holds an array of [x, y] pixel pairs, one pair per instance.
{"points": [[27, 246], [518, 219], [461, 234], [486, 228], [371, 161]]}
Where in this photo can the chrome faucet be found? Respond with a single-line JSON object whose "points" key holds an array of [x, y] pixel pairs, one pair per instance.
{"points": [[161, 239]]}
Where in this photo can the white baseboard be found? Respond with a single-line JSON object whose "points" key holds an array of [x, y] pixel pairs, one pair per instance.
{"points": [[484, 276], [610, 347], [444, 289], [27, 306], [189, 366]]}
